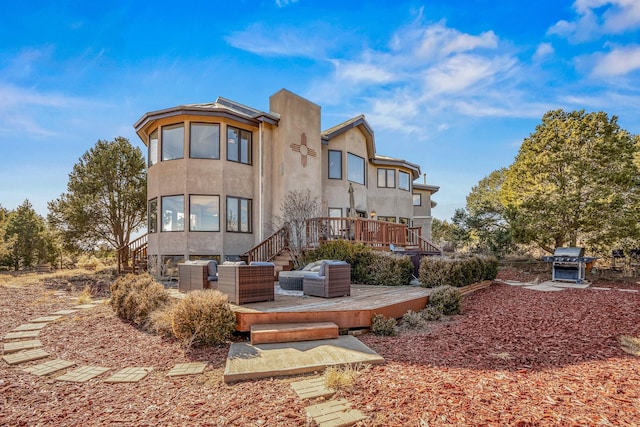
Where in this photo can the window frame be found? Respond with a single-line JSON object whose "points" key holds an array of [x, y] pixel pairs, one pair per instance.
{"points": [[364, 169], [162, 140], [329, 164], [216, 144], [191, 229], [162, 228], [386, 177], [152, 226], [419, 199], [238, 201], [152, 149], [238, 144], [400, 187]]}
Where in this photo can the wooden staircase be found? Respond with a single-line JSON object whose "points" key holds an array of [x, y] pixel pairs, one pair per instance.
{"points": [[132, 258]]}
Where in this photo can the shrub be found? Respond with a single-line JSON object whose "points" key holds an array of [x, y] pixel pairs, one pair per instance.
{"points": [[341, 377], [431, 314], [160, 320], [368, 267], [203, 318], [490, 268], [413, 320], [458, 272], [445, 299], [135, 297], [85, 296], [382, 326], [434, 272]]}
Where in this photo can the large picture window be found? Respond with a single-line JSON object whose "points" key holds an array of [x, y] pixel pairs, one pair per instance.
{"points": [[335, 164], [153, 148], [387, 178], [355, 168], [152, 216], [173, 213], [403, 181], [204, 141], [238, 215], [238, 145], [204, 213], [172, 142]]}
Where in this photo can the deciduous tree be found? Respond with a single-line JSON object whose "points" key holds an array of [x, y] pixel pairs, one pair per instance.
{"points": [[106, 196]]}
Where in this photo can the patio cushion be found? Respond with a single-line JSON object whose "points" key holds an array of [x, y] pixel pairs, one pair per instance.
{"points": [[212, 270], [262, 263]]}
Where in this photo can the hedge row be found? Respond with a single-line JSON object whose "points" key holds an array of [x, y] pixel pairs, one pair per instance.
{"points": [[368, 266], [458, 272]]}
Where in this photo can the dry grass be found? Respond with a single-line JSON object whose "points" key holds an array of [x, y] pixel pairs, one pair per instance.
{"points": [[20, 279], [630, 344], [342, 377], [85, 296]]}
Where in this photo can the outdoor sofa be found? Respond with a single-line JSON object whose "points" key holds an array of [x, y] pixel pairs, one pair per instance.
{"points": [[332, 280]]}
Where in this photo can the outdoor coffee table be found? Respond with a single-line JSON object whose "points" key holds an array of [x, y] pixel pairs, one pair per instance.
{"points": [[291, 280]]}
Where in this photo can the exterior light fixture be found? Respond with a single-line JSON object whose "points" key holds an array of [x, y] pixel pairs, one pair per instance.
{"points": [[373, 214]]}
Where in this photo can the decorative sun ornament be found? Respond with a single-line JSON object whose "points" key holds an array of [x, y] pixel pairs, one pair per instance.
{"points": [[303, 149]]}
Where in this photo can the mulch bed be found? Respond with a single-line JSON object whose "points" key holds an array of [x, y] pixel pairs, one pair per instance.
{"points": [[514, 357]]}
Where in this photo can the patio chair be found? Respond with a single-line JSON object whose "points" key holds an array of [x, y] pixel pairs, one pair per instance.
{"points": [[332, 280], [247, 283]]}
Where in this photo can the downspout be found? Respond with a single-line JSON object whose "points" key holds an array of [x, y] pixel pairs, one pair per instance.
{"points": [[260, 184]]}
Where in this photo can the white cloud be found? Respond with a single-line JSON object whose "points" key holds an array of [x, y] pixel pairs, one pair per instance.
{"points": [[462, 72], [598, 17], [283, 41], [544, 50], [617, 62], [283, 3], [365, 72]]}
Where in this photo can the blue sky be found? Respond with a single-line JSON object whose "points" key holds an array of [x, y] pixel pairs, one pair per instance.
{"points": [[452, 86]]}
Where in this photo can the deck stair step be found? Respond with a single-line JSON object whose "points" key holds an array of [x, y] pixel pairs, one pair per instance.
{"points": [[291, 332]]}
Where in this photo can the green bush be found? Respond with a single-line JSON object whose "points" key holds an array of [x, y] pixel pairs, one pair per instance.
{"points": [[431, 314], [458, 272], [382, 326], [368, 267], [135, 296], [413, 320], [203, 318], [445, 299]]}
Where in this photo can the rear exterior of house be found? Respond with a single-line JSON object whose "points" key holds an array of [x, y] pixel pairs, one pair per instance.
{"points": [[217, 174]]}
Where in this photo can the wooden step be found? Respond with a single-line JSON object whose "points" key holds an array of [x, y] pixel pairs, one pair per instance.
{"points": [[292, 332]]}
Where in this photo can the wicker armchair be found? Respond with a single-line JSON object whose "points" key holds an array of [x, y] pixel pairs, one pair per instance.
{"points": [[247, 283], [333, 280]]}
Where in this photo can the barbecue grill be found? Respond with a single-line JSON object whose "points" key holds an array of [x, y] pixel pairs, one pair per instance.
{"points": [[569, 264]]}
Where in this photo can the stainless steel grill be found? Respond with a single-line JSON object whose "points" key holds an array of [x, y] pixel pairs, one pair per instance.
{"points": [[569, 264]]}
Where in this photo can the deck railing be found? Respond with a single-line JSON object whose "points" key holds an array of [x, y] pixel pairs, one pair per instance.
{"points": [[269, 248], [378, 234], [132, 258]]}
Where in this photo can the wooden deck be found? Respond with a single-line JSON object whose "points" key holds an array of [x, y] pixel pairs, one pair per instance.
{"points": [[350, 312]]}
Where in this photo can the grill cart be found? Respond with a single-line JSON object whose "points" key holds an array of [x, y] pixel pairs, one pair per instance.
{"points": [[569, 264]]}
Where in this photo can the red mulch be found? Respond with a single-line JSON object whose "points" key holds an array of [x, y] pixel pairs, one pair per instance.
{"points": [[514, 357]]}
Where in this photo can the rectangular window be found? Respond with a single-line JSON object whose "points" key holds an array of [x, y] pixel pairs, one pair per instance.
{"points": [[205, 258], [387, 218], [172, 142], [204, 213], [403, 181], [204, 141], [417, 200], [335, 164], [152, 216], [405, 221], [170, 265], [153, 148], [355, 168], [387, 178], [238, 145], [173, 213], [238, 215]]}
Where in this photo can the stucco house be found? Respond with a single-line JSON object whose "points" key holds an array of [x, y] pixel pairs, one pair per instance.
{"points": [[217, 173]]}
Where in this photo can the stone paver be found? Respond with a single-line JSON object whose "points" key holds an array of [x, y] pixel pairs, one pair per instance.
{"points": [[545, 288], [335, 413], [49, 367], [12, 347], [82, 374], [45, 319], [192, 368], [19, 335], [25, 356], [129, 375], [598, 288], [85, 306], [310, 389], [30, 327], [63, 312], [628, 290]]}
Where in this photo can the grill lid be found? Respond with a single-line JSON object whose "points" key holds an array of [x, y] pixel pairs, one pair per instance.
{"points": [[569, 252]]}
